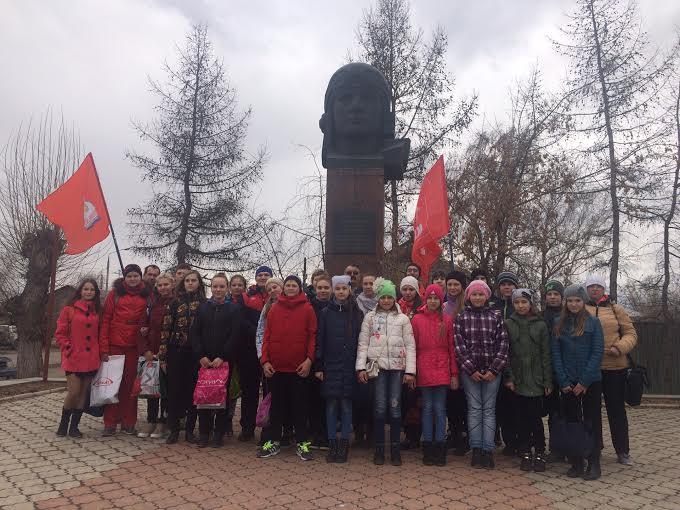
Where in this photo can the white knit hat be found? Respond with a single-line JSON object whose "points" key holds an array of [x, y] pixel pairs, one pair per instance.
{"points": [[595, 279], [409, 281]]}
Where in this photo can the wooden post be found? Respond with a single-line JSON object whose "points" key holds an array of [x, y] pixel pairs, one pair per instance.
{"points": [[47, 345]]}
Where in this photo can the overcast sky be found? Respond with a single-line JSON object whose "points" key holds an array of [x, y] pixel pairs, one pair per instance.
{"points": [[91, 60]]}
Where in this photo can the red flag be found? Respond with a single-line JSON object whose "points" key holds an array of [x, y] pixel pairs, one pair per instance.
{"points": [[78, 207], [431, 221]]}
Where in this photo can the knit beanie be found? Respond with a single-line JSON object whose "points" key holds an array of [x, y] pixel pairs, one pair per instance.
{"points": [[509, 277], [264, 269], [436, 290], [384, 287], [132, 268], [522, 293], [477, 286], [459, 276], [274, 279], [576, 290], [595, 279], [295, 279], [555, 285], [342, 279], [409, 281], [477, 273]]}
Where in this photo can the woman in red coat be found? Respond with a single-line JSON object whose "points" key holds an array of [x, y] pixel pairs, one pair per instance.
{"points": [[436, 370], [78, 337], [124, 314]]}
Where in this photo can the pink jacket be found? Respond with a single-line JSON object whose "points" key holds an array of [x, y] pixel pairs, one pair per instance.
{"points": [[435, 353]]}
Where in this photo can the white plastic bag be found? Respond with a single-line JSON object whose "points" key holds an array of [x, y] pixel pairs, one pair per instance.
{"points": [[150, 379], [106, 383]]}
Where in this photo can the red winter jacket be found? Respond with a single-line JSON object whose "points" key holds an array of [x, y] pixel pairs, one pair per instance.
{"points": [[152, 341], [290, 333], [255, 297], [435, 354], [78, 336], [124, 313]]}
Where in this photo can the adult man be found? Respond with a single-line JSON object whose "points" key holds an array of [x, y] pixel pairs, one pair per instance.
{"points": [[181, 271], [413, 269], [354, 273], [257, 294], [151, 272]]}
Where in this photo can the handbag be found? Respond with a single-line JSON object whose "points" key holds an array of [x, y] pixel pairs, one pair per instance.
{"points": [[571, 438], [263, 411], [636, 380]]}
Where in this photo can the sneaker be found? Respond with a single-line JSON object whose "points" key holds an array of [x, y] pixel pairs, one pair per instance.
{"points": [[160, 431], [527, 463], [539, 463], [304, 452], [108, 432], [268, 449], [130, 431], [147, 430], [624, 458]]}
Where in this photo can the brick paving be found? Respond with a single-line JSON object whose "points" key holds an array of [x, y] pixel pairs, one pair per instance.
{"points": [[38, 470]]}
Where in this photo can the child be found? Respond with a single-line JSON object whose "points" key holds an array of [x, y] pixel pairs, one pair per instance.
{"points": [[410, 298], [176, 355], [317, 405], [215, 337], [439, 278], [437, 370], [77, 334], [529, 376], [386, 339], [577, 348], [156, 407], [336, 347], [482, 351], [287, 357]]}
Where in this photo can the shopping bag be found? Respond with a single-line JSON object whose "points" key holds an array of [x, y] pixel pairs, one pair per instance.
{"points": [[150, 380], [262, 417], [211, 387], [96, 411], [106, 383]]}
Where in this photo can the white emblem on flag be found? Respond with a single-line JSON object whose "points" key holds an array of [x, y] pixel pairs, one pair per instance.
{"points": [[90, 216]]}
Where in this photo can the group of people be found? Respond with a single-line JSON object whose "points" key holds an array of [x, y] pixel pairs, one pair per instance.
{"points": [[352, 353]]}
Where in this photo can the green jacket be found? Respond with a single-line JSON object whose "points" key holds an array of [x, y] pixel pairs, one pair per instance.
{"points": [[530, 366]]}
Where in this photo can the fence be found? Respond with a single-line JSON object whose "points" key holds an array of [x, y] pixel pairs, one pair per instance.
{"points": [[650, 353]]}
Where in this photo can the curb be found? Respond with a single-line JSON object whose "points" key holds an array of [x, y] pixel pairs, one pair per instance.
{"points": [[24, 396]]}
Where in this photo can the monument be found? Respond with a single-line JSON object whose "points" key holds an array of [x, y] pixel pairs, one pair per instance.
{"points": [[360, 153]]}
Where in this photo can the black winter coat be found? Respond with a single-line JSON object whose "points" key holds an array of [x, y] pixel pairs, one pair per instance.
{"points": [[248, 327], [506, 307], [336, 348], [215, 332]]}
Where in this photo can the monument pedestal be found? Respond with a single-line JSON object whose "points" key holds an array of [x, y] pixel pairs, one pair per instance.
{"points": [[355, 219]]}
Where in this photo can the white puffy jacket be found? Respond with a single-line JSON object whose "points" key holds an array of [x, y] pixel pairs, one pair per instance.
{"points": [[387, 337]]}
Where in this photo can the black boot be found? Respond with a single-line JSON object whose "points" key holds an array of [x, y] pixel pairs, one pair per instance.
{"points": [[379, 455], [343, 450], [593, 471], [395, 454], [427, 453], [576, 469], [63, 424], [476, 461], [332, 455], [75, 421], [439, 454]]}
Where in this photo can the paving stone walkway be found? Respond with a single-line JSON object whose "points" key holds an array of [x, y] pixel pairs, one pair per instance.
{"points": [[38, 470]]}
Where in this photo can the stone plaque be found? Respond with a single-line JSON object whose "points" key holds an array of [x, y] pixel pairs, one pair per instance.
{"points": [[354, 232]]}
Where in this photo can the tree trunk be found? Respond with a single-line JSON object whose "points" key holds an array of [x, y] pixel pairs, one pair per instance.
{"points": [[37, 248], [613, 165]]}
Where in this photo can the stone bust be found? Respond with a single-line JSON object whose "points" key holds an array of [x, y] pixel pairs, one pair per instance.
{"points": [[358, 122]]}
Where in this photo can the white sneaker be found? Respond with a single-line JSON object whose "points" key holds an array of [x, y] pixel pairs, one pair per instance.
{"points": [[160, 432], [147, 430]]}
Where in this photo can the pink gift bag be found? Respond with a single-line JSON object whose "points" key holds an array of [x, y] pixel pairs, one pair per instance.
{"points": [[211, 387], [263, 410]]}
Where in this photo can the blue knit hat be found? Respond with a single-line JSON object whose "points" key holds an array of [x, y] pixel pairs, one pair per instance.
{"points": [[264, 269]]}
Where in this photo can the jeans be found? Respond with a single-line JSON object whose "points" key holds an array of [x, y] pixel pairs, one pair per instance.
{"points": [[529, 424], [481, 401], [332, 407], [387, 390], [434, 412], [613, 389]]}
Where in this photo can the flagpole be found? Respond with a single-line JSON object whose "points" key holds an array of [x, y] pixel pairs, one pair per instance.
{"points": [[47, 344], [113, 232]]}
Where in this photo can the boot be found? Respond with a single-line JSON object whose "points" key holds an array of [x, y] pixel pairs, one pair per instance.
{"points": [[343, 450], [379, 455], [427, 453], [439, 454], [593, 471], [476, 461], [63, 424], [576, 469], [395, 454], [332, 455], [75, 421]]}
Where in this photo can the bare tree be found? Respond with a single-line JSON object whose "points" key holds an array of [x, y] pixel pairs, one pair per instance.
{"points": [[37, 159], [203, 175], [421, 91], [615, 78]]}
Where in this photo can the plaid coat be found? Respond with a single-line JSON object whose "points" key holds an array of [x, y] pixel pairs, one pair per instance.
{"points": [[481, 340]]}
